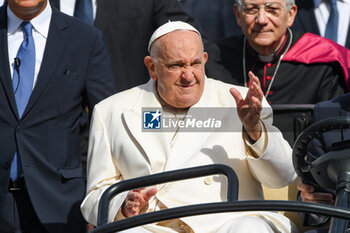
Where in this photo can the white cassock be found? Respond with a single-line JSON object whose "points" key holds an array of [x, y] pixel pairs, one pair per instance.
{"points": [[119, 150]]}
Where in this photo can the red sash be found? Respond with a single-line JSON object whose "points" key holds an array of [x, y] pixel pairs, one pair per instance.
{"points": [[311, 48]]}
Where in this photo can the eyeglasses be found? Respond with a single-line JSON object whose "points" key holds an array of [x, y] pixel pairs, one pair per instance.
{"points": [[272, 8]]}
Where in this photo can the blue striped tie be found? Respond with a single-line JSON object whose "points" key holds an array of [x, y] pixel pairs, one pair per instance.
{"points": [[22, 83], [333, 20], [83, 10]]}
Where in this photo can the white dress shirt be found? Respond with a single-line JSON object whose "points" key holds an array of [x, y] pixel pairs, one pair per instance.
{"points": [[15, 36], [67, 6], [322, 8]]}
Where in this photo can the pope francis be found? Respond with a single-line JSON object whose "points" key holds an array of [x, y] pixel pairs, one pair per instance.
{"points": [[120, 148]]}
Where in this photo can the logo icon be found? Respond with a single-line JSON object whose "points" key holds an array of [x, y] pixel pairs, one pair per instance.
{"points": [[152, 119]]}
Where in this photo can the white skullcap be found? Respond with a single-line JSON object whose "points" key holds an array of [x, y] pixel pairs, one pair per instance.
{"points": [[170, 27]]}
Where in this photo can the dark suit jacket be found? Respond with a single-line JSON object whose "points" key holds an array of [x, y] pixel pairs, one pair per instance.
{"points": [[216, 17], [305, 21], [127, 26], [75, 70]]}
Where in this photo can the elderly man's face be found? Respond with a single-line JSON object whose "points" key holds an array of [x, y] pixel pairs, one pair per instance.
{"points": [[179, 68], [264, 23]]}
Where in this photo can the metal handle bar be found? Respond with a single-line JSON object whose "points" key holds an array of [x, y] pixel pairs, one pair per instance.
{"points": [[211, 208], [231, 205], [168, 176]]}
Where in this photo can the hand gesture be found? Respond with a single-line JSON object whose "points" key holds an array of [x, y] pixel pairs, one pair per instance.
{"points": [[137, 201], [308, 194], [249, 108]]}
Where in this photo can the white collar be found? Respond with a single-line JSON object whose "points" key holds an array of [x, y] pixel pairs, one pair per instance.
{"points": [[318, 2], [41, 23], [267, 58]]}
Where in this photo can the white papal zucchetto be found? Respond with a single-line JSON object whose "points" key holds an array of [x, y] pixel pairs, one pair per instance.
{"points": [[170, 27]]}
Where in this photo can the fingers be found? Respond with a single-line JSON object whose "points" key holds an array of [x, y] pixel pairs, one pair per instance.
{"points": [[132, 208], [134, 194], [89, 227], [136, 200], [131, 205], [250, 107], [308, 194], [253, 78], [255, 93], [305, 187], [255, 104], [254, 100], [250, 101], [325, 198]]}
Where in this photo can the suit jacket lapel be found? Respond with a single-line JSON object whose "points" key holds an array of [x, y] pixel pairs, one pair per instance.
{"points": [[154, 145], [347, 43], [55, 3], [53, 51], [5, 74], [308, 19]]}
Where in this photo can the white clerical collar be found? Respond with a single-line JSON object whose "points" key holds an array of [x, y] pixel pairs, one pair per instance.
{"points": [[267, 58]]}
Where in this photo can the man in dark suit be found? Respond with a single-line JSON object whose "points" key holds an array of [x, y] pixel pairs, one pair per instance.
{"points": [[216, 17], [306, 21], [127, 26], [72, 70]]}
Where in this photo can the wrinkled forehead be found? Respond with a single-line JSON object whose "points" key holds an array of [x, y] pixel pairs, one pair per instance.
{"points": [[260, 1], [179, 40], [180, 36]]}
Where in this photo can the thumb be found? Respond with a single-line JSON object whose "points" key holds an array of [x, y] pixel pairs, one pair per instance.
{"points": [[236, 95], [150, 193]]}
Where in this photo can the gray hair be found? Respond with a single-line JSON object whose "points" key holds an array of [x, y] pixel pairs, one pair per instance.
{"points": [[289, 4]]}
